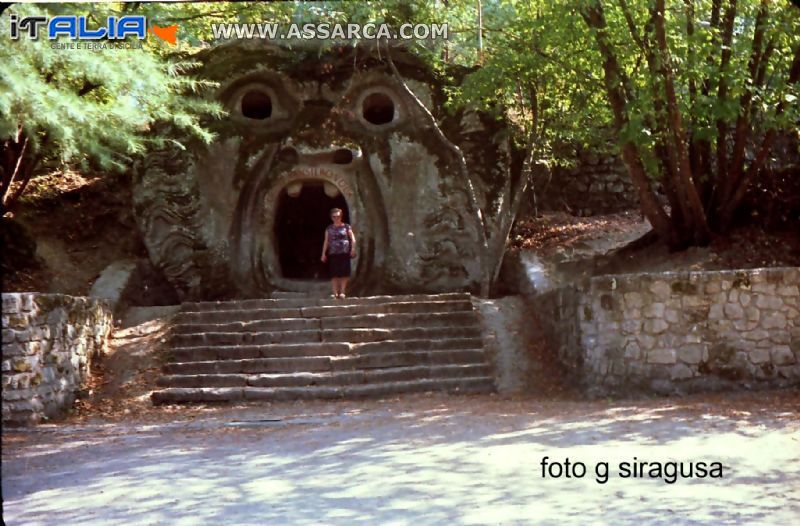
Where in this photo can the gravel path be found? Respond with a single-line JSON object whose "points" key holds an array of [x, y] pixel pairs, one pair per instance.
{"points": [[421, 460]]}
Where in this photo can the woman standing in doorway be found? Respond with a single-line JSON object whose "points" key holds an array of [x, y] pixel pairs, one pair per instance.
{"points": [[337, 250]]}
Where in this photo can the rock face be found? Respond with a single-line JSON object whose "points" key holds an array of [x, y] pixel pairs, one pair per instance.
{"points": [[49, 341], [678, 331], [307, 132]]}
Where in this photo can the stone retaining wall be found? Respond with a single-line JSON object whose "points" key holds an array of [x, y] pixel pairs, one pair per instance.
{"points": [[49, 341], [678, 331], [595, 185], [556, 310]]}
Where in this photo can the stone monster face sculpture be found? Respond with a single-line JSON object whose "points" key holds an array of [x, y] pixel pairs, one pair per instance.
{"points": [[305, 133]]}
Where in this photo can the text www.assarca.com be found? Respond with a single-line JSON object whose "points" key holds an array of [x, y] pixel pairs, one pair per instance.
{"points": [[272, 31]]}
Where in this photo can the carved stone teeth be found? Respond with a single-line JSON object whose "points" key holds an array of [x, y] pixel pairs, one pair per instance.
{"points": [[331, 190], [294, 189]]}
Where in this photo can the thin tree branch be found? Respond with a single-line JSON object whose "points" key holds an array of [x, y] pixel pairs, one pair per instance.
{"points": [[482, 222]]}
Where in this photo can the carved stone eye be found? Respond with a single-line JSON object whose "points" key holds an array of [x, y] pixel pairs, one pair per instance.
{"points": [[342, 156], [378, 108], [256, 105]]}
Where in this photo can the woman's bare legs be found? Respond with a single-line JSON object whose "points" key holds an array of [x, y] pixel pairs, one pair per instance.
{"points": [[339, 286], [335, 287]]}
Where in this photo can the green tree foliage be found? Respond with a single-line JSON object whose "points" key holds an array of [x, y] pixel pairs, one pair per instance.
{"points": [[699, 90], [536, 67], [85, 106], [696, 90]]}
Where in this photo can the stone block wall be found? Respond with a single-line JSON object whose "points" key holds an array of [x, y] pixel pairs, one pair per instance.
{"points": [[680, 331], [595, 185], [556, 310], [49, 342]]}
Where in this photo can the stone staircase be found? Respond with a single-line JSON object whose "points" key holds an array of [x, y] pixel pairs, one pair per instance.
{"points": [[289, 347]]}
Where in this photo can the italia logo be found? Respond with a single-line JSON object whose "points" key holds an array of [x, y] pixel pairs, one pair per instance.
{"points": [[77, 28]]}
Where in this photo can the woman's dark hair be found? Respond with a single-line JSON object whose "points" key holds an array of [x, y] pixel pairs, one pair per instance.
{"points": [[336, 210]]}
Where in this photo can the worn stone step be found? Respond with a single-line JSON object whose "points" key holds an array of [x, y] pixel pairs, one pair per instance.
{"points": [[374, 300], [357, 335], [184, 395], [392, 307], [379, 360], [300, 379], [245, 338], [233, 315], [203, 380], [429, 319], [242, 352], [308, 302], [371, 360], [352, 335], [422, 344], [402, 374], [286, 324], [397, 307], [470, 385], [251, 366], [382, 321], [323, 291], [261, 303], [173, 395]]}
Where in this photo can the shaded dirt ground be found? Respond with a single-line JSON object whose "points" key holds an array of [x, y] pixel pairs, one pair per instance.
{"points": [[426, 459], [556, 248], [121, 381], [81, 224], [561, 237]]}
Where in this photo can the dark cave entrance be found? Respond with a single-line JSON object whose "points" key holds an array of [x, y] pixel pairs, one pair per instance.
{"points": [[300, 222]]}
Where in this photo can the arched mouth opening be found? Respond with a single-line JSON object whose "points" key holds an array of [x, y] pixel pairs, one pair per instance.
{"points": [[301, 216]]}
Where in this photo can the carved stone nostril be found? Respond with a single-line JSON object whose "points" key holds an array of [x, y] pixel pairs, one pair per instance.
{"points": [[288, 155], [342, 156]]}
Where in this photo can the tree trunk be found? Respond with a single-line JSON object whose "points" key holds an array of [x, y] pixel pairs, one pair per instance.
{"points": [[14, 168], [616, 83], [741, 130], [695, 150], [677, 201], [505, 219], [722, 90], [677, 140], [740, 191], [705, 154]]}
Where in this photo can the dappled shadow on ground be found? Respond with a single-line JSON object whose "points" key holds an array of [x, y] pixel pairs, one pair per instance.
{"points": [[426, 459]]}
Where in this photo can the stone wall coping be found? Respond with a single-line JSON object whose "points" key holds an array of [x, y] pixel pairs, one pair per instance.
{"points": [[58, 296], [692, 274]]}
